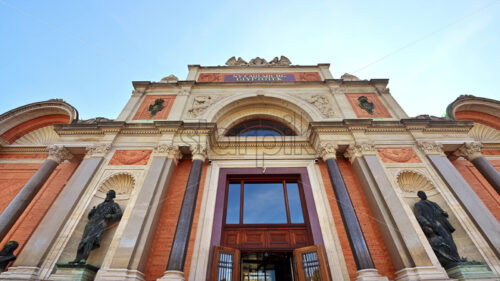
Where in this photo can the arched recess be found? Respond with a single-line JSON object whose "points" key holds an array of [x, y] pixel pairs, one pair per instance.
{"points": [[410, 182], [292, 112], [123, 183], [20, 121], [481, 110]]}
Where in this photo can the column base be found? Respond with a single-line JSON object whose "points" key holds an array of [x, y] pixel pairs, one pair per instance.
{"points": [[172, 275], [21, 273], [74, 272], [119, 274], [370, 274], [471, 272], [421, 273]]}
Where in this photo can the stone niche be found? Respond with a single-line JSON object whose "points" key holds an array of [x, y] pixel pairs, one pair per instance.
{"points": [[123, 184], [410, 182]]}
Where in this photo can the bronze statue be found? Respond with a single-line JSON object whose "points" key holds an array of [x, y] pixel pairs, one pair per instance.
{"points": [[7, 254], [437, 228], [99, 218]]}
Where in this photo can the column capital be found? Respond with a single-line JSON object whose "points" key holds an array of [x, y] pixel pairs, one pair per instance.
{"points": [[168, 150], [58, 153], [198, 152], [97, 150], [359, 149], [430, 147], [469, 150], [327, 150]]}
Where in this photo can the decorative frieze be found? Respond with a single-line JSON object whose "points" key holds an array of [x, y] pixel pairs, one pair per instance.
{"points": [[98, 150], [327, 151], [58, 153], [398, 155], [130, 157], [430, 147], [470, 150]]}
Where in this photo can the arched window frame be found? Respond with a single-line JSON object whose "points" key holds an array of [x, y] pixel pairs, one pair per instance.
{"points": [[263, 123]]}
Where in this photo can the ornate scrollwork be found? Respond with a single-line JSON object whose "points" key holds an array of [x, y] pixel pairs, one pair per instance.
{"points": [[58, 153], [327, 150], [321, 102], [198, 152], [258, 62], [359, 149], [98, 150], [470, 150], [430, 147], [168, 150]]}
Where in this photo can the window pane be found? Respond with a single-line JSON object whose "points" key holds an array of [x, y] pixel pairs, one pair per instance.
{"points": [[233, 203], [264, 202], [292, 189], [260, 132]]}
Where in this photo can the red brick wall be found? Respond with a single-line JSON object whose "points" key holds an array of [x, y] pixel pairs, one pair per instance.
{"points": [[479, 184], [369, 226], [12, 178], [19, 174], [160, 250]]}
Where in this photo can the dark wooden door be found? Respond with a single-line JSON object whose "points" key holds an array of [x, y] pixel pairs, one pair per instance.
{"points": [[225, 264], [310, 264]]}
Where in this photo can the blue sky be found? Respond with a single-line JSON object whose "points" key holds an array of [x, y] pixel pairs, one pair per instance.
{"points": [[88, 52]]}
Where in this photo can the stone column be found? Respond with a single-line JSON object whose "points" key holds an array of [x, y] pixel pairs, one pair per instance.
{"points": [[130, 257], [412, 256], [177, 258], [27, 264], [57, 154], [484, 219], [357, 241], [472, 152]]}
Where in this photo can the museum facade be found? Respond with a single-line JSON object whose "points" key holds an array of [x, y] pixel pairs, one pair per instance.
{"points": [[252, 171]]}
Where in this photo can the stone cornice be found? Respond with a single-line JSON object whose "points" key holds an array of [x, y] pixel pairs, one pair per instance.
{"points": [[156, 127], [380, 126]]}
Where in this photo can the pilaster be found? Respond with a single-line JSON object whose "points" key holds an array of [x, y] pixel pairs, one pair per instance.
{"points": [[465, 194], [357, 241], [28, 263], [57, 154], [409, 251], [131, 255], [472, 152]]}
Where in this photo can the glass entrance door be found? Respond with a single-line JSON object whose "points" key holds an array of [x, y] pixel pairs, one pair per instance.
{"points": [[267, 266]]}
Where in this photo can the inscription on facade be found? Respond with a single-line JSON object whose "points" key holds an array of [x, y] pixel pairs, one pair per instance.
{"points": [[258, 77]]}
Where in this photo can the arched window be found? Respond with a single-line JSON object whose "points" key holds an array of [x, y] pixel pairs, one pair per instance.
{"points": [[260, 127]]}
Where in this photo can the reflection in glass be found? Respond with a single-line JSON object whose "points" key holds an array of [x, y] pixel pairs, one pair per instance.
{"points": [[292, 189], [264, 202], [260, 132], [233, 203]]}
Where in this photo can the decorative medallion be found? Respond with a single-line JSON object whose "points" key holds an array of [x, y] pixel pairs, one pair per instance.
{"points": [[365, 104], [398, 155], [157, 106]]}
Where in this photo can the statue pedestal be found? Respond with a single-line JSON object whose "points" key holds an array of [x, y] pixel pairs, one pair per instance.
{"points": [[471, 272], [75, 272]]}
